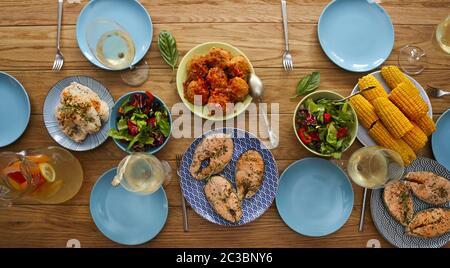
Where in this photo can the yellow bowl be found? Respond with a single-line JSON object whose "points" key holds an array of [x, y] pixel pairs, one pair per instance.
{"points": [[202, 111], [325, 94]]}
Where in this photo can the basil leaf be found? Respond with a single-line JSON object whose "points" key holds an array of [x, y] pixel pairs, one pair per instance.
{"points": [[307, 84], [168, 48]]}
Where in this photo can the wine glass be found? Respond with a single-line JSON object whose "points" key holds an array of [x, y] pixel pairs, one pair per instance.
{"points": [[413, 59], [114, 47]]}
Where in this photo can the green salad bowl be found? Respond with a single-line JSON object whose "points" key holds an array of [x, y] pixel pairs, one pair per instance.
{"points": [[330, 95]]}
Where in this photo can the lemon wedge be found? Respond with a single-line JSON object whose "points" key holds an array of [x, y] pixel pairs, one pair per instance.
{"points": [[47, 171]]}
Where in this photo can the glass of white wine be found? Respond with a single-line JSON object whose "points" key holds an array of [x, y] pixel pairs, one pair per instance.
{"points": [[413, 59], [373, 167], [114, 47], [142, 173]]}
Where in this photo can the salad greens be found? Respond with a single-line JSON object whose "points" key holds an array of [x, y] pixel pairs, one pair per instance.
{"points": [[143, 123], [325, 126], [307, 84]]}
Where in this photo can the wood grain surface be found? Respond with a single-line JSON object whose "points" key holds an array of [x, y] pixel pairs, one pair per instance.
{"points": [[27, 50]]}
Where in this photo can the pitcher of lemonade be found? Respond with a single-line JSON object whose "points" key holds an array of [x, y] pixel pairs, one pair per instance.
{"points": [[51, 176], [142, 173]]}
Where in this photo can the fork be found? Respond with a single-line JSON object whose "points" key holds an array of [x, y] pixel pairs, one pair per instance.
{"points": [[179, 157], [59, 58], [437, 92], [287, 57]]}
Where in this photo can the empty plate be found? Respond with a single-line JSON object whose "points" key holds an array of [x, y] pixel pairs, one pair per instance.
{"points": [[440, 142], [124, 217], [14, 109], [315, 197], [53, 99], [129, 14], [357, 35]]}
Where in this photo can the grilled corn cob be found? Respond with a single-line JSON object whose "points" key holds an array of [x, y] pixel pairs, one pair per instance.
{"points": [[393, 76], [370, 81], [408, 101], [382, 137], [415, 138], [426, 124], [392, 117], [364, 110]]}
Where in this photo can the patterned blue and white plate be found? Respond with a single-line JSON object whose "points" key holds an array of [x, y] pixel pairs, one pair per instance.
{"points": [[393, 231], [52, 100], [252, 208]]}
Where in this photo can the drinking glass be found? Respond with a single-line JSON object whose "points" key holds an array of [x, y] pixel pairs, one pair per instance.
{"points": [[114, 47]]}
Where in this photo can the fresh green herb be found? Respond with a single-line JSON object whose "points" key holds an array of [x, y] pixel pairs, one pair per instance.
{"points": [[307, 84], [168, 49]]}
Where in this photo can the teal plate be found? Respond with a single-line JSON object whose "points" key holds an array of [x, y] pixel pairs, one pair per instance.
{"points": [[440, 141], [315, 197]]}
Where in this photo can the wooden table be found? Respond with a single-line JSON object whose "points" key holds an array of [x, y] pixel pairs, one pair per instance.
{"points": [[27, 49]]}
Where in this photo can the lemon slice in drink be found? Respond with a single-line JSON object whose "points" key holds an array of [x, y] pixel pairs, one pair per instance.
{"points": [[47, 171]]}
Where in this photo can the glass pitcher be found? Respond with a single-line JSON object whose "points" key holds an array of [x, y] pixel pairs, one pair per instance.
{"points": [[50, 175], [142, 173]]}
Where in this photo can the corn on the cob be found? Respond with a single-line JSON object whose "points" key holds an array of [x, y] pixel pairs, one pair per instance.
{"points": [[364, 110], [407, 153], [370, 81], [392, 117], [408, 101], [416, 139], [426, 124], [393, 76], [382, 137]]}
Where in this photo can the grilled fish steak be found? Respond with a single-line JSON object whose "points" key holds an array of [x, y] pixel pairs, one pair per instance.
{"points": [[430, 223], [399, 202], [222, 196], [249, 174], [217, 150], [429, 187]]}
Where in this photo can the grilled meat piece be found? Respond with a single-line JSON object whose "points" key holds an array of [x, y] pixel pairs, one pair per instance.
{"points": [[399, 202], [429, 187], [430, 223], [249, 173]]}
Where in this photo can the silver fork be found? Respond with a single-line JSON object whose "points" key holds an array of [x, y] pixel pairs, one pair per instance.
{"points": [[287, 57], [437, 92], [59, 58], [178, 158]]}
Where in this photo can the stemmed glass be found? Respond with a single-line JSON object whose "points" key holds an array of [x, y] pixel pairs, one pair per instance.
{"points": [[114, 47]]}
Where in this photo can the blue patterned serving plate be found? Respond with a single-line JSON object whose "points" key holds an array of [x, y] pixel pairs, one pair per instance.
{"points": [[393, 231], [252, 208], [52, 100]]}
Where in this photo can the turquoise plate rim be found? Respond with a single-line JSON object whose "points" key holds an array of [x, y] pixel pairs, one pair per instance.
{"points": [[99, 64], [28, 107], [434, 144], [104, 233], [369, 68], [278, 196]]}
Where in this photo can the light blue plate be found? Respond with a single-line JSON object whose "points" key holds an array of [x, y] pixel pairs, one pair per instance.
{"points": [[315, 197], [124, 217], [357, 35], [440, 140], [129, 14], [114, 118], [52, 100], [252, 208], [14, 109]]}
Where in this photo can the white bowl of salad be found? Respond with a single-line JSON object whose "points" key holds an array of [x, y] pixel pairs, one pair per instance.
{"points": [[140, 122], [323, 126]]}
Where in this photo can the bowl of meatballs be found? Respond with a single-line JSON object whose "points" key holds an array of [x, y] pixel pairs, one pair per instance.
{"points": [[212, 81]]}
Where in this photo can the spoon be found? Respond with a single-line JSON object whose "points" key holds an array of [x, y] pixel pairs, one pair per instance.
{"points": [[257, 91], [354, 94]]}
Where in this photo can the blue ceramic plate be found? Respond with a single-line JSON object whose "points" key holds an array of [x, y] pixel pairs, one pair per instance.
{"points": [[114, 118], [14, 109], [51, 102], [124, 217], [357, 35], [252, 208], [129, 14], [440, 141], [315, 197], [363, 134], [393, 231]]}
